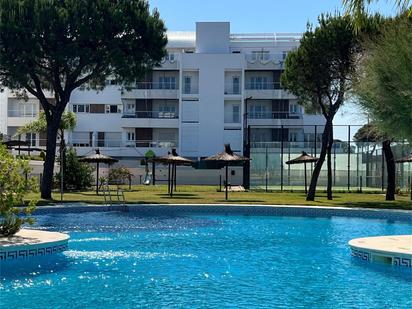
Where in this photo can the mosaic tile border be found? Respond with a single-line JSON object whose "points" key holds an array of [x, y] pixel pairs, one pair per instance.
{"points": [[31, 251], [259, 210], [368, 256]]}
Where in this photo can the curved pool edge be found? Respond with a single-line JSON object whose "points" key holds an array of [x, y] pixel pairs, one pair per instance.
{"points": [[239, 209], [394, 249], [27, 244]]}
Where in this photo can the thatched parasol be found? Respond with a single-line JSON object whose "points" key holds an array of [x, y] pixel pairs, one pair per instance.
{"points": [[172, 160], [406, 159], [227, 157], [98, 158], [303, 158]]}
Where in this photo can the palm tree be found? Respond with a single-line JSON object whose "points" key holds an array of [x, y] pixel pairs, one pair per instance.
{"points": [[358, 9]]}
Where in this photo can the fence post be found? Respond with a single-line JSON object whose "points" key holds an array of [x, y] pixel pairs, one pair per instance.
{"points": [[360, 189], [349, 158], [383, 171], [281, 160], [266, 168]]}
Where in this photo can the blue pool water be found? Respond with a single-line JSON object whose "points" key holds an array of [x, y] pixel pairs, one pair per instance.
{"points": [[121, 260]]}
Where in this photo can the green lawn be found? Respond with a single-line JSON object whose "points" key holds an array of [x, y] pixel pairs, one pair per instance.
{"points": [[209, 195]]}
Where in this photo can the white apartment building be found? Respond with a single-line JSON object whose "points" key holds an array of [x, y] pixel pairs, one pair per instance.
{"points": [[195, 101]]}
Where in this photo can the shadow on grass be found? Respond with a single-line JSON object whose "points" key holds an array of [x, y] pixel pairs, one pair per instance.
{"points": [[239, 201], [405, 205]]}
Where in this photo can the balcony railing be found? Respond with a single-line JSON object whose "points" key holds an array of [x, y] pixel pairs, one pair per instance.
{"points": [[156, 85], [192, 89], [26, 112], [263, 86], [151, 114], [274, 115], [232, 89], [266, 58], [117, 143]]}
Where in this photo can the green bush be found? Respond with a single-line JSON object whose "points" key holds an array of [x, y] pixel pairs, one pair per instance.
{"points": [[76, 175], [119, 175], [13, 187]]}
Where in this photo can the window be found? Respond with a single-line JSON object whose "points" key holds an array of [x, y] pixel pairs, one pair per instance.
{"points": [[170, 57], [81, 108], [113, 109], [130, 107], [236, 113], [167, 82], [258, 111], [293, 136], [259, 82], [31, 138], [187, 84], [236, 84], [130, 136], [167, 110], [284, 55]]}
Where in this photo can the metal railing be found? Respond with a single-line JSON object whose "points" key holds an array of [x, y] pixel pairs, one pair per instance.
{"points": [[151, 114], [265, 58], [26, 112], [263, 86], [117, 143], [231, 88], [192, 89], [156, 85], [274, 115]]}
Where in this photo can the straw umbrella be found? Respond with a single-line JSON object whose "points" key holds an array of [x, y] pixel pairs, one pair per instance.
{"points": [[172, 160], [408, 158], [226, 158], [98, 158], [303, 158]]}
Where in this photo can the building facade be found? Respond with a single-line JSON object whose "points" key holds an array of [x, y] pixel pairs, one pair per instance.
{"points": [[208, 88]]}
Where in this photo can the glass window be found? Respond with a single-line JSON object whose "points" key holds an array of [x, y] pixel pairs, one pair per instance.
{"points": [[236, 113], [187, 84], [130, 136], [113, 109], [236, 84], [31, 138]]}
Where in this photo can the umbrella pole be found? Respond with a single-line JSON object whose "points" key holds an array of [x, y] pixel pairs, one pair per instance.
{"points": [[171, 186], [97, 178], [306, 182], [226, 182], [168, 179], [175, 176]]}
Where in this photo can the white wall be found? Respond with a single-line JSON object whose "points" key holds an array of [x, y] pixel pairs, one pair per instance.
{"points": [[212, 37]]}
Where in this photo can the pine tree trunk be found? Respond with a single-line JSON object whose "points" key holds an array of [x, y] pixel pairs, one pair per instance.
{"points": [[329, 162], [48, 168], [319, 163], [390, 167]]}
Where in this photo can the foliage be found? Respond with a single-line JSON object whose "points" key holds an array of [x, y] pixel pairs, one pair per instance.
{"points": [[358, 9], [61, 45], [67, 122], [119, 175], [384, 79], [319, 74], [76, 175], [13, 188], [30, 157], [369, 133]]}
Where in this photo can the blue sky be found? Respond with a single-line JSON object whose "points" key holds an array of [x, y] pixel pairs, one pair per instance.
{"points": [[261, 16]]}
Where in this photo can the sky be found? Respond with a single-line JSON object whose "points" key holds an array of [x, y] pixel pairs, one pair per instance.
{"points": [[263, 16]]}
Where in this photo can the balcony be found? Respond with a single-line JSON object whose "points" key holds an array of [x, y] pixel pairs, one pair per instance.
{"points": [[232, 89], [266, 90], [274, 115], [22, 116], [151, 114], [265, 61], [170, 62], [152, 90]]}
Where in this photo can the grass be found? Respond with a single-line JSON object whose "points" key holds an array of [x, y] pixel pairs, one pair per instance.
{"points": [[208, 195]]}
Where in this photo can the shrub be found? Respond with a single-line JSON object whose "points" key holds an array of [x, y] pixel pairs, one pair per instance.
{"points": [[76, 175], [13, 187], [119, 175]]}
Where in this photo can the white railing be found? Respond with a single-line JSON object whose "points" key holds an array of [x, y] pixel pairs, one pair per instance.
{"points": [[263, 85], [116, 143], [26, 112], [265, 58], [231, 88], [151, 114], [156, 85], [274, 115], [192, 89], [261, 37]]}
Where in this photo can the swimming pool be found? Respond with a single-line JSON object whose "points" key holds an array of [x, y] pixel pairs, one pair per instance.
{"points": [[123, 260]]}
